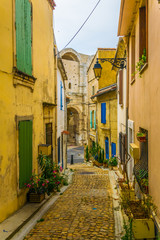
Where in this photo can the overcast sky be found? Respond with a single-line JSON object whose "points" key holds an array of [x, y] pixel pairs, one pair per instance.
{"points": [[100, 31]]}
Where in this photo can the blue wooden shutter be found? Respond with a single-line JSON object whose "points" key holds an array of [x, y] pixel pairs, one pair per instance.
{"points": [[107, 148], [24, 36], [103, 112], [95, 119], [113, 145], [91, 119], [25, 152], [61, 96]]}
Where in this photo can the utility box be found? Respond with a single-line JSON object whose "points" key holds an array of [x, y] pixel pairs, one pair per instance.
{"points": [[44, 149], [134, 150]]}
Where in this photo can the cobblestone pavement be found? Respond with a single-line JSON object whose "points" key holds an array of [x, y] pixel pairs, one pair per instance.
{"points": [[84, 211]]}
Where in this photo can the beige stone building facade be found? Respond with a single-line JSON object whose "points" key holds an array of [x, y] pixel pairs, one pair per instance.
{"points": [[76, 65], [139, 23]]}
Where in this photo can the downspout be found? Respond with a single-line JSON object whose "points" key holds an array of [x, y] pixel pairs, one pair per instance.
{"points": [[55, 109], [127, 105], [110, 123], [96, 123]]}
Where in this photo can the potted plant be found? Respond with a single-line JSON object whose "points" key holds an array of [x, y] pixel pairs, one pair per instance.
{"points": [[141, 137], [105, 163], [37, 187], [113, 162], [140, 64], [139, 211]]}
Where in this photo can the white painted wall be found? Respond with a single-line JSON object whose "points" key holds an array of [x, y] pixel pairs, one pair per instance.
{"points": [[60, 113], [122, 108]]}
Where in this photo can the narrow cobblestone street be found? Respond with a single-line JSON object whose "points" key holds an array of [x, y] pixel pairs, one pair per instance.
{"points": [[84, 210]]}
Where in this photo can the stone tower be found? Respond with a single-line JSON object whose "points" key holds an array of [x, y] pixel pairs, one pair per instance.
{"points": [[76, 65]]}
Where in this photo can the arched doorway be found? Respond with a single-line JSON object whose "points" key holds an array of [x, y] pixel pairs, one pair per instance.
{"points": [[73, 126]]}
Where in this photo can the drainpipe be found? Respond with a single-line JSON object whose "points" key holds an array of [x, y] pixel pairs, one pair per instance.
{"points": [[127, 105], [110, 123]]}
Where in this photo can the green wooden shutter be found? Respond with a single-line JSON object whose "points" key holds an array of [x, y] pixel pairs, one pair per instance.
{"points": [[95, 119], [20, 35], [91, 119], [25, 152], [23, 36], [28, 38]]}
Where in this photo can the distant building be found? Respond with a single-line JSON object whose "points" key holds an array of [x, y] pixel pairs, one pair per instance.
{"points": [[102, 105], [76, 65]]}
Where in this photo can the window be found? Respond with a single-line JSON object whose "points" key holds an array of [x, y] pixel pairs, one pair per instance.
{"points": [[24, 36], [121, 87], [103, 112], [143, 30], [69, 85], [95, 119], [61, 96], [90, 119], [133, 55]]}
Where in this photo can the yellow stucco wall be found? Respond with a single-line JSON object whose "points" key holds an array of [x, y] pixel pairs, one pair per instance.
{"points": [[110, 128], [108, 78], [21, 100]]}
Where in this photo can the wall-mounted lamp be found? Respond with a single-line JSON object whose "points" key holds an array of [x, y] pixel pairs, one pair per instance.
{"points": [[116, 62]]}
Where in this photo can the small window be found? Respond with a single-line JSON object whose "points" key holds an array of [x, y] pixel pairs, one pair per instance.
{"points": [[93, 119], [61, 96], [69, 85], [121, 87], [133, 55], [143, 31]]}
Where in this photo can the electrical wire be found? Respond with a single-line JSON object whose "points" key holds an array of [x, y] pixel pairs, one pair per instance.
{"points": [[82, 25]]}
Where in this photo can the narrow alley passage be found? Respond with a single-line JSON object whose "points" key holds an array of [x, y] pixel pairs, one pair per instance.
{"points": [[84, 211], [77, 152]]}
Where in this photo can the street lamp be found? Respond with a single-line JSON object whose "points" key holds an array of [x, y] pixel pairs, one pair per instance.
{"points": [[116, 62], [97, 69]]}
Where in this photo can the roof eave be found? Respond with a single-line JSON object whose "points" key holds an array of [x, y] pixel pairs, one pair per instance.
{"points": [[127, 12]]}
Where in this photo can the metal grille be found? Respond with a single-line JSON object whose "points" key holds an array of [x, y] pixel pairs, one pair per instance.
{"points": [[141, 167]]}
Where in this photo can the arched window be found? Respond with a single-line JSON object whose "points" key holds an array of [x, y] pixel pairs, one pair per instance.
{"points": [[69, 85]]}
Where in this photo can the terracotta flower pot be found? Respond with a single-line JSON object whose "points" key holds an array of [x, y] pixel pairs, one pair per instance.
{"points": [[35, 197]]}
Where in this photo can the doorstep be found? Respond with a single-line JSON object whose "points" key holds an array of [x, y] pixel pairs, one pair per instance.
{"points": [[23, 220]]}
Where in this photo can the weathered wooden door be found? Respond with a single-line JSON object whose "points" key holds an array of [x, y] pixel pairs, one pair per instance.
{"points": [[113, 146], [107, 148], [25, 152]]}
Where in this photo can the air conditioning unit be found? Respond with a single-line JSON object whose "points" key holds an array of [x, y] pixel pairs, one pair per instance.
{"points": [[45, 149]]}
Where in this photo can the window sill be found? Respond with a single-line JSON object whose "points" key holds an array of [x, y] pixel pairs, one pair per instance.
{"points": [[20, 78], [145, 66], [133, 81]]}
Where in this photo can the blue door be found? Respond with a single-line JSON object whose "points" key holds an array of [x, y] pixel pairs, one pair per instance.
{"points": [[59, 150], [107, 148], [113, 149]]}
